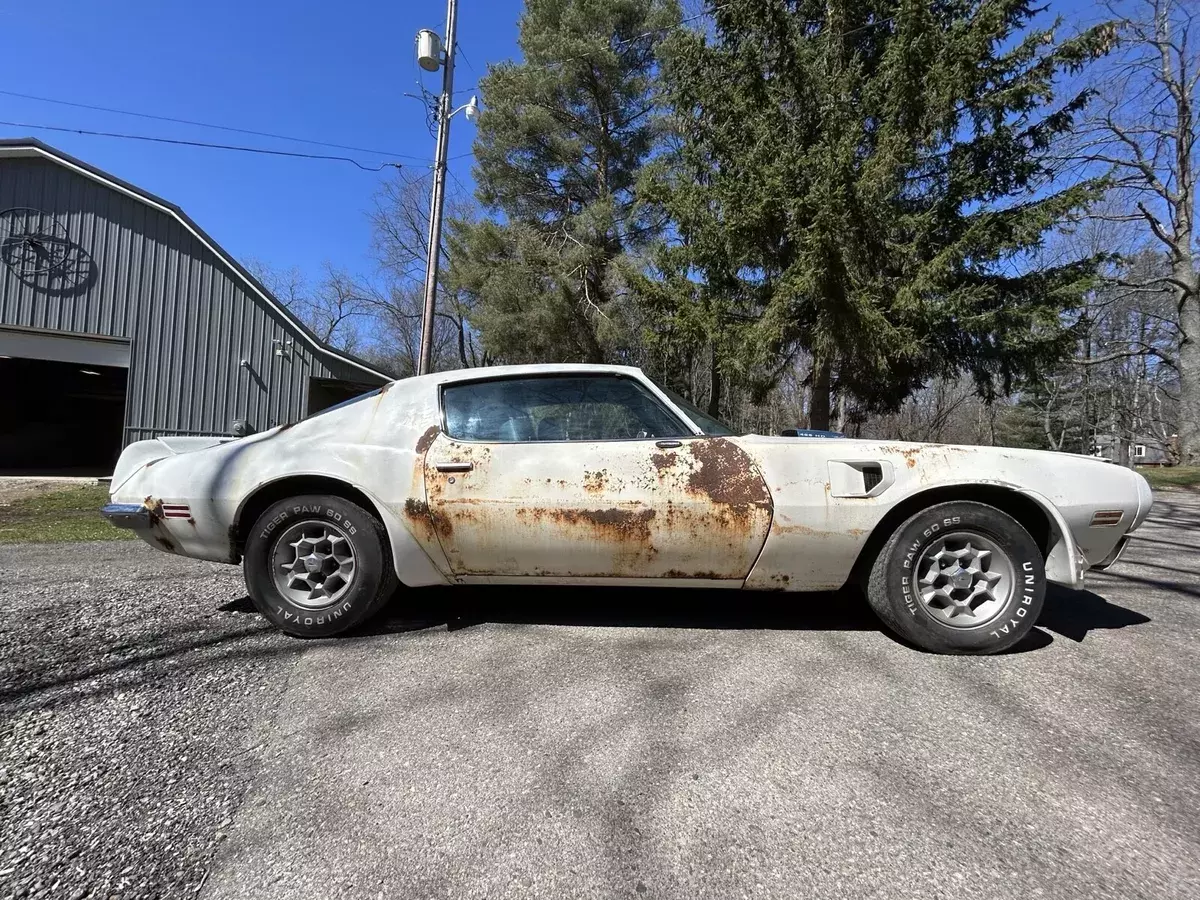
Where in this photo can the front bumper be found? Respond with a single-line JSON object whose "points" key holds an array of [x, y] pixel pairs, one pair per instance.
{"points": [[127, 515], [1113, 556]]}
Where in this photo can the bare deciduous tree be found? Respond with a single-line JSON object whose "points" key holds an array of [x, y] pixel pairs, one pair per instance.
{"points": [[336, 308], [1144, 126], [400, 222]]}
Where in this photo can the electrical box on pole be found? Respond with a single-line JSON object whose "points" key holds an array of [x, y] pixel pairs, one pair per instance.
{"points": [[429, 50]]}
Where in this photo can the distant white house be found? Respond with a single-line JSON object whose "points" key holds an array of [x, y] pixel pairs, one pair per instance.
{"points": [[1144, 450]]}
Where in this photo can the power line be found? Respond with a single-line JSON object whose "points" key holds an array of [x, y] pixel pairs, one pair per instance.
{"points": [[462, 187], [180, 142], [459, 50], [179, 121]]}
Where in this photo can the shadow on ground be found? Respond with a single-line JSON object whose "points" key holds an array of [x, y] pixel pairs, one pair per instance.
{"points": [[1072, 614]]}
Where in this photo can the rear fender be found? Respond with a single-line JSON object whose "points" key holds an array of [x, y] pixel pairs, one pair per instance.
{"points": [[413, 566]]}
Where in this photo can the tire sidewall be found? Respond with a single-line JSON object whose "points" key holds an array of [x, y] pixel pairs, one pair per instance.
{"points": [[357, 603], [1012, 622]]}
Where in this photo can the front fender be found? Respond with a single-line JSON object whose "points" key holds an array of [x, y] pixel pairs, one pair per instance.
{"points": [[1064, 564], [1064, 561]]}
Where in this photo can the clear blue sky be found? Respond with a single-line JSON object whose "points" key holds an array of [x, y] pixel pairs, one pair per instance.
{"points": [[333, 71]]}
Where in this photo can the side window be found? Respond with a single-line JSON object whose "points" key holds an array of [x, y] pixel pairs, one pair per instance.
{"points": [[568, 408]]}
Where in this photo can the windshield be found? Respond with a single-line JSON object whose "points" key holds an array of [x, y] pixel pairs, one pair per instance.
{"points": [[703, 420]]}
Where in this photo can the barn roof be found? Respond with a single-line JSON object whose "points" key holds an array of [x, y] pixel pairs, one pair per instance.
{"points": [[27, 146]]}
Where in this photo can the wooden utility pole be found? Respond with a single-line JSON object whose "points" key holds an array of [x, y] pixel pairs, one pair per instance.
{"points": [[424, 361]]}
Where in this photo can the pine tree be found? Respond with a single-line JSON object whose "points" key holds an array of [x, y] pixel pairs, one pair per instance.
{"points": [[864, 180], [561, 141]]}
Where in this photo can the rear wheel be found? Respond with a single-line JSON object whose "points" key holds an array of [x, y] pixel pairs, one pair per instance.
{"points": [[959, 577], [318, 565]]}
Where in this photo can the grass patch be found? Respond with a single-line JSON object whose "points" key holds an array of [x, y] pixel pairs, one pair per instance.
{"points": [[1172, 476], [69, 514]]}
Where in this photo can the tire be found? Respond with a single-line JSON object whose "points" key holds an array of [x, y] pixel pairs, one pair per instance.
{"points": [[349, 579], [933, 590]]}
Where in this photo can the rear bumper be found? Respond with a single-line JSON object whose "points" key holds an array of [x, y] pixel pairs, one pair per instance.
{"points": [[127, 515]]}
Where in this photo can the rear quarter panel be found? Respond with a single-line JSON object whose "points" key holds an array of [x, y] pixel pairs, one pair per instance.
{"points": [[374, 444]]}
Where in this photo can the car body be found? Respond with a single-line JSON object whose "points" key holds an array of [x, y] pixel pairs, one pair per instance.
{"points": [[505, 475]]}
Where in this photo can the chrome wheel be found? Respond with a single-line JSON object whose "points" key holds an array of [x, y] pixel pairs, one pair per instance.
{"points": [[965, 579], [313, 564]]}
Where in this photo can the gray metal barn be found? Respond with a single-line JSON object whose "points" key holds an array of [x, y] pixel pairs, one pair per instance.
{"points": [[120, 319]]}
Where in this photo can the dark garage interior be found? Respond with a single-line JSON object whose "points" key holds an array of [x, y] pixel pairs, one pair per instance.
{"points": [[324, 393], [60, 417]]}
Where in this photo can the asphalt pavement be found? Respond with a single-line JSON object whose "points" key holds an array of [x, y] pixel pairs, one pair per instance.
{"points": [[574, 743]]}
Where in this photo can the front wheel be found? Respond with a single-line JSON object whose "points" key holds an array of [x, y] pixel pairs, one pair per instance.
{"points": [[959, 577], [318, 565]]}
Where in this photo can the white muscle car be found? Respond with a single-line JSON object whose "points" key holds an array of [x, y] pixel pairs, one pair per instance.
{"points": [[575, 474]]}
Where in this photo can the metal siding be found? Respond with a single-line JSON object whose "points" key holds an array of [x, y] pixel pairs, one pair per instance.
{"points": [[191, 318]]}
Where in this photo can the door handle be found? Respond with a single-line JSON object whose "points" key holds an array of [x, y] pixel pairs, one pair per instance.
{"points": [[454, 466], [667, 445]]}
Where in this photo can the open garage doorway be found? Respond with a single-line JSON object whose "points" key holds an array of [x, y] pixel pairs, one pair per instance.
{"points": [[60, 418], [326, 392]]}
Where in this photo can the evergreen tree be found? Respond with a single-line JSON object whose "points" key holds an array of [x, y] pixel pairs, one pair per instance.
{"points": [[862, 180], [560, 143]]}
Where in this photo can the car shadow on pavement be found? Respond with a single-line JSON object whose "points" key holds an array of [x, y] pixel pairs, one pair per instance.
{"points": [[629, 607], [1069, 613], [1074, 613]]}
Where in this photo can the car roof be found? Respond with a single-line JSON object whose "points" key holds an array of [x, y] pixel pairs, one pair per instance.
{"points": [[511, 371]]}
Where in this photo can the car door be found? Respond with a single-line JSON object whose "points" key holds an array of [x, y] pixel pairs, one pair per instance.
{"points": [[588, 477]]}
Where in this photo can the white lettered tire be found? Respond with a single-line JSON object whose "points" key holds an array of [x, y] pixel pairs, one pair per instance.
{"points": [[959, 577], [318, 565]]}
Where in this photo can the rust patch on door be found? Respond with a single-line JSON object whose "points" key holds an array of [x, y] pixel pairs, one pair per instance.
{"points": [[426, 440], [623, 525], [595, 482], [663, 461], [726, 475]]}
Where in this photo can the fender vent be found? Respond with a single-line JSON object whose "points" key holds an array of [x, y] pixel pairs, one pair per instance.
{"points": [[872, 475]]}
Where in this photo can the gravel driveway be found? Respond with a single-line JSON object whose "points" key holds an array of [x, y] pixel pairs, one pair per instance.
{"points": [[131, 703], [155, 738]]}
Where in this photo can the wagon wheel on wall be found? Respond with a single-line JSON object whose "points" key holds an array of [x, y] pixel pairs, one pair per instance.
{"points": [[33, 242]]}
